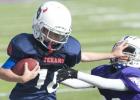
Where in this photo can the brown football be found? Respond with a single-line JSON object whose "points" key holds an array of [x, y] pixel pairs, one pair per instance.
{"points": [[19, 67]]}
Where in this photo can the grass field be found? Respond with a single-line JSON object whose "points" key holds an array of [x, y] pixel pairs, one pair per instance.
{"points": [[97, 24]]}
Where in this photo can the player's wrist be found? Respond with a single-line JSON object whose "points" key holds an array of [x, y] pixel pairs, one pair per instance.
{"points": [[23, 79], [80, 75], [20, 79], [112, 55]]}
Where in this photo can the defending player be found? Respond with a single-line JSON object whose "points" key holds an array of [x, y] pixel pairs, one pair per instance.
{"points": [[53, 47], [120, 80]]}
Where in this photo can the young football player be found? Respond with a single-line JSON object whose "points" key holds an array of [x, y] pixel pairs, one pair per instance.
{"points": [[53, 47], [118, 81]]}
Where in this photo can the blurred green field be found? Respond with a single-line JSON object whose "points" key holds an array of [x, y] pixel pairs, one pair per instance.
{"points": [[97, 24]]}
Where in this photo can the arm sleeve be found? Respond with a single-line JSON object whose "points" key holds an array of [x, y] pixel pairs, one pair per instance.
{"points": [[10, 63], [77, 84], [104, 83]]}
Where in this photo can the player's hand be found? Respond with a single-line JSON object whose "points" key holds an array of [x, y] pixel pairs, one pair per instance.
{"points": [[118, 50], [29, 75], [64, 74]]}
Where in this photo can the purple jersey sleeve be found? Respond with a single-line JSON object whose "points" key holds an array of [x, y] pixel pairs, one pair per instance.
{"points": [[131, 78]]}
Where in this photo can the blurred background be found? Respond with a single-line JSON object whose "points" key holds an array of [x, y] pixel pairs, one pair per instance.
{"points": [[97, 24]]}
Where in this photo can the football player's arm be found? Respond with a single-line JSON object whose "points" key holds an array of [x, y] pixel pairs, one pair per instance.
{"points": [[97, 81], [76, 83], [93, 56], [7, 74], [104, 83]]}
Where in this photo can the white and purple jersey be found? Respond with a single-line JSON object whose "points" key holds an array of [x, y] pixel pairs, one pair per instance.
{"points": [[129, 75]]}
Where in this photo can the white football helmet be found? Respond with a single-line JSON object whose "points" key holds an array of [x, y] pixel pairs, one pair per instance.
{"points": [[56, 19], [132, 51]]}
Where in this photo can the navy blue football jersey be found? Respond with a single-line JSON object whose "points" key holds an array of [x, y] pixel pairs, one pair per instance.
{"points": [[129, 75], [42, 87]]}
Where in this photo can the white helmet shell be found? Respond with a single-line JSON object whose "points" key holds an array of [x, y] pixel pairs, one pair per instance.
{"points": [[55, 17], [132, 51]]}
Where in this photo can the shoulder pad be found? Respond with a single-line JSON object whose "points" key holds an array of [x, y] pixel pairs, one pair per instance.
{"points": [[21, 46], [101, 70], [73, 51]]}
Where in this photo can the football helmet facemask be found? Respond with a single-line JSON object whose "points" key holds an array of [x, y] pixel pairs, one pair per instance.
{"points": [[132, 52], [52, 25]]}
